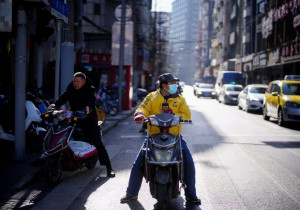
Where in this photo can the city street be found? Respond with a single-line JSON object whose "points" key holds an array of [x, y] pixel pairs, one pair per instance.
{"points": [[241, 160]]}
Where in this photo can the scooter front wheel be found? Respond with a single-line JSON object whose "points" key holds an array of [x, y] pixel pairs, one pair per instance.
{"points": [[161, 196], [53, 170]]}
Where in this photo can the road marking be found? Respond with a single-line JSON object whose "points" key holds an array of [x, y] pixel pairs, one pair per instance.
{"points": [[248, 135], [133, 136]]}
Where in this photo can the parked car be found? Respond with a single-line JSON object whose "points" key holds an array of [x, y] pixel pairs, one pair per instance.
{"points": [[292, 77], [205, 90], [282, 101], [229, 93], [180, 87], [251, 98], [227, 77], [195, 86], [181, 83]]}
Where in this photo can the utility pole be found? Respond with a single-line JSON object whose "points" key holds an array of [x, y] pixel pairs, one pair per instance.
{"points": [[154, 73], [57, 60], [121, 52], [20, 84]]}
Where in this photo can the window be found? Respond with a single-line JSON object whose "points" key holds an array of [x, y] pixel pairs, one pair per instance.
{"points": [[97, 9], [291, 89], [275, 88], [258, 90]]}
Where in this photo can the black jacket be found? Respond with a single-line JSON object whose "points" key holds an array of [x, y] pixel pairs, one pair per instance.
{"points": [[78, 99]]}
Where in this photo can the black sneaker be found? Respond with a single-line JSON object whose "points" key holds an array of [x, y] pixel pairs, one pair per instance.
{"points": [[110, 173], [128, 198], [194, 200], [142, 130]]}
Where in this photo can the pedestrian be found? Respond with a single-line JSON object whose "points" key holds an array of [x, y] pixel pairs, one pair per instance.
{"points": [[152, 105], [80, 95]]}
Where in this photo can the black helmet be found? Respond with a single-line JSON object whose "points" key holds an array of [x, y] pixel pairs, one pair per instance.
{"points": [[167, 77]]}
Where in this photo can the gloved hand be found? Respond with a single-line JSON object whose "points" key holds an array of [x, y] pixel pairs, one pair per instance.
{"points": [[139, 118], [170, 111]]}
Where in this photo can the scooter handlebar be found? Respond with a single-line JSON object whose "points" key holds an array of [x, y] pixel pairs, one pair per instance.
{"points": [[186, 121]]}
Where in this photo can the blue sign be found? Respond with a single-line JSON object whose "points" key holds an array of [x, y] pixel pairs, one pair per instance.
{"points": [[60, 10]]}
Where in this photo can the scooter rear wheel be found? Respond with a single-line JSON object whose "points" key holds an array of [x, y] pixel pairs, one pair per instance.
{"points": [[53, 170], [91, 163]]}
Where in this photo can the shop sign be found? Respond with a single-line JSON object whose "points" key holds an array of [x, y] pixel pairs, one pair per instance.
{"points": [[5, 16], [96, 59], [276, 55], [290, 50], [85, 58], [260, 60], [283, 10], [296, 21], [263, 60]]}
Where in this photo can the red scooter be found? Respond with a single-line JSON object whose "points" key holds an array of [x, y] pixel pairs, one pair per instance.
{"points": [[61, 151]]}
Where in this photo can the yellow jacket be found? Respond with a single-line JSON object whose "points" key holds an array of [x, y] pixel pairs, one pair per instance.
{"points": [[152, 105]]}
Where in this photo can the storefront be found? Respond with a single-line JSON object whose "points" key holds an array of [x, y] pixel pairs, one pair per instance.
{"points": [[98, 68]]}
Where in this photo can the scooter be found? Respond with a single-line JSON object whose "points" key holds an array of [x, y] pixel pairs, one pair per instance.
{"points": [[32, 120], [61, 150], [164, 169]]}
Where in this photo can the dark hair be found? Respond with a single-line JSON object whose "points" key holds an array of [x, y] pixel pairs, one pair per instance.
{"points": [[80, 74]]}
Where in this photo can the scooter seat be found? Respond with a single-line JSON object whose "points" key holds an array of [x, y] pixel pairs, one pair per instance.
{"points": [[82, 150]]}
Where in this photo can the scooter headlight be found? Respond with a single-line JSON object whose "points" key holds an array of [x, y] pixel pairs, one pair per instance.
{"points": [[153, 122], [163, 155], [176, 121], [61, 116]]}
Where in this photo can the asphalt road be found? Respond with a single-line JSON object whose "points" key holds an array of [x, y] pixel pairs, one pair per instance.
{"points": [[242, 162]]}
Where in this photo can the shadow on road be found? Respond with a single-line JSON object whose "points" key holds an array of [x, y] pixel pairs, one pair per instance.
{"points": [[283, 144], [174, 204]]}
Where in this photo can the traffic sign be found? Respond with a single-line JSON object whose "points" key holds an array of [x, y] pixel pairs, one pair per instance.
{"points": [[60, 10], [118, 12]]}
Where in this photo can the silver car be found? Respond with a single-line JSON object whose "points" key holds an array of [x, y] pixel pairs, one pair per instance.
{"points": [[229, 94], [205, 90], [251, 98]]}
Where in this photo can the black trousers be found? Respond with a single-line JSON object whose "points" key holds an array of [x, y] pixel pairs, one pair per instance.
{"points": [[94, 135]]}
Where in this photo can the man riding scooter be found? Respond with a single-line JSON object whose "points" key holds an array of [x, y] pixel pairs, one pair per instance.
{"points": [[152, 105]]}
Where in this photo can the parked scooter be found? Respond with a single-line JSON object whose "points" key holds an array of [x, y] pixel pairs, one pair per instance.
{"points": [[106, 104], [32, 120], [164, 159], [61, 150]]}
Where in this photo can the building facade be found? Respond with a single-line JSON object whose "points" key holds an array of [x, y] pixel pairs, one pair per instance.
{"points": [[184, 39], [205, 39], [261, 37]]}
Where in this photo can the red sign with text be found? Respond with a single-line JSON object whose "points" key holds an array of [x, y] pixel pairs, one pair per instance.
{"points": [[95, 59]]}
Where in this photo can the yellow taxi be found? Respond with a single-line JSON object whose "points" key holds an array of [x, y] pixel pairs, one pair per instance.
{"points": [[282, 101]]}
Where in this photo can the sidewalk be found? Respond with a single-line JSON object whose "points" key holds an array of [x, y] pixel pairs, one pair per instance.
{"points": [[15, 176]]}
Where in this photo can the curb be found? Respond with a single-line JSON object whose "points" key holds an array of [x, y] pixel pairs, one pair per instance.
{"points": [[36, 172]]}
